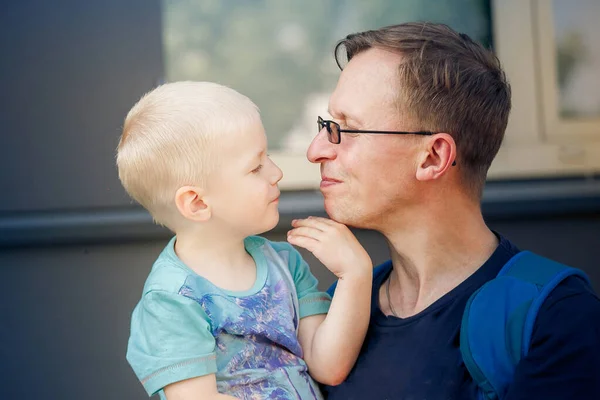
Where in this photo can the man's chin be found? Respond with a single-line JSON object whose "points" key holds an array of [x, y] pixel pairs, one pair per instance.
{"points": [[329, 208], [343, 214], [336, 213]]}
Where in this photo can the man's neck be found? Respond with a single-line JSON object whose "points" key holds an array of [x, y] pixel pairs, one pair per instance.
{"points": [[433, 255]]}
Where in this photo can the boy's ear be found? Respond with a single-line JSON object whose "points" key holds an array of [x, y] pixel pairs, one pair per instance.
{"points": [[191, 205]]}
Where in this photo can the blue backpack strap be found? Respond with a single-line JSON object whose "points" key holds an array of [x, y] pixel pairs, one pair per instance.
{"points": [[498, 319]]}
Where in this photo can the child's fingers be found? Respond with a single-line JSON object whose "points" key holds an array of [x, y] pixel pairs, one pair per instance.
{"points": [[315, 222], [305, 242], [325, 221], [310, 221], [308, 231]]}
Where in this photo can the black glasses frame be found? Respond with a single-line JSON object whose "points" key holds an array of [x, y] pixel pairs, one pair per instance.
{"points": [[334, 131]]}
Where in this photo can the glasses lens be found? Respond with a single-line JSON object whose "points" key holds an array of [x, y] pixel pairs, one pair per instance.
{"points": [[334, 132]]}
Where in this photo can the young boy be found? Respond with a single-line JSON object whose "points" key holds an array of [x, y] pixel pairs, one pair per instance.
{"points": [[225, 314]]}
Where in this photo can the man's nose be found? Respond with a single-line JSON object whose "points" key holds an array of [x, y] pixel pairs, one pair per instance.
{"points": [[321, 149]]}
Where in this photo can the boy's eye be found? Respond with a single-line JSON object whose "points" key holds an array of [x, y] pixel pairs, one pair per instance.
{"points": [[257, 169]]}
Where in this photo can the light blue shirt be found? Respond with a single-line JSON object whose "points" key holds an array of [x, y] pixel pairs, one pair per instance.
{"points": [[184, 326]]}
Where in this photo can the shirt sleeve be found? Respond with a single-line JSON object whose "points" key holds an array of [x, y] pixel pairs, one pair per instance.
{"points": [[170, 341], [564, 358], [311, 301]]}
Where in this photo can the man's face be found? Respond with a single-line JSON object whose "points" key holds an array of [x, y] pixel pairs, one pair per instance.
{"points": [[366, 177]]}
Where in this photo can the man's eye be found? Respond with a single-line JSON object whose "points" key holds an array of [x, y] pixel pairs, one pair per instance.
{"points": [[257, 169]]}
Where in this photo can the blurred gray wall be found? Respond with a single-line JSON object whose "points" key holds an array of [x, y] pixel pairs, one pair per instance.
{"points": [[74, 252]]}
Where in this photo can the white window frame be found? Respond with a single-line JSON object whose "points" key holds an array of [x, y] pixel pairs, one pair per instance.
{"points": [[538, 144], [586, 129]]}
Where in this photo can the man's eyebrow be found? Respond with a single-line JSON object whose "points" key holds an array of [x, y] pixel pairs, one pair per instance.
{"points": [[344, 117], [336, 115]]}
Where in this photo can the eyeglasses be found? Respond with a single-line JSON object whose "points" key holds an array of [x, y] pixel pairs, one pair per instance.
{"points": [[334, 131]]}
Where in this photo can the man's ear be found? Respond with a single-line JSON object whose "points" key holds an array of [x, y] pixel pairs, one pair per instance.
{"points": [[437, 157], [190, 201]]}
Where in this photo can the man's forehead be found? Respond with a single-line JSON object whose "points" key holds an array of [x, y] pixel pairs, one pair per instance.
{"points": [[367, 81], [374, 62]]}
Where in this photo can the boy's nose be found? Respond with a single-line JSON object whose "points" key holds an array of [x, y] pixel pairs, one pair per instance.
{"points": [[277, 174]]}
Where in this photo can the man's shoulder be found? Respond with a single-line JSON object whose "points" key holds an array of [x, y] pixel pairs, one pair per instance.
{"points": [[573, 296], [574, 290], [549, 312], [563, 290], [564, 356], [569, 313]]}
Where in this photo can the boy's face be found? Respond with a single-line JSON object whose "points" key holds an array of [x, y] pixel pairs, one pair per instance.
{"points": [[243, 190]]}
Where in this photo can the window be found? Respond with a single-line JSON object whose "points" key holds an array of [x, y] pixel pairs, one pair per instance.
{"points": [[570, 51], [552, 60], [280, 54]]}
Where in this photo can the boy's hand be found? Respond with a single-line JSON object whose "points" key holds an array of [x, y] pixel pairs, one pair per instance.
{"points": [[332, 243]]}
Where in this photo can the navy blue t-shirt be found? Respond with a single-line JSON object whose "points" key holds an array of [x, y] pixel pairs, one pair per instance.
{"points": [[418, 357]]}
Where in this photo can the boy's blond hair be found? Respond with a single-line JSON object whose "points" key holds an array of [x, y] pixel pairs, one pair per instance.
{"points": [[170, 139]]}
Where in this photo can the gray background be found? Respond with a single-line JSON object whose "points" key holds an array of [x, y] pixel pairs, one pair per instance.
{"points": [[75, 252]]}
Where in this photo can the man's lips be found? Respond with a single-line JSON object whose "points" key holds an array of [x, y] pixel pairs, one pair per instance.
{"points": [[327, 181]]}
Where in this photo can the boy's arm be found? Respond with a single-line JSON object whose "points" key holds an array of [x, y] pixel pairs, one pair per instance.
{"points": [[331, 342], [170, 341], [200, 388]]}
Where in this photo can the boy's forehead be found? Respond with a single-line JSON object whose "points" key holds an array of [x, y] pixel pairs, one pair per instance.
{"points": [[246, 142]]}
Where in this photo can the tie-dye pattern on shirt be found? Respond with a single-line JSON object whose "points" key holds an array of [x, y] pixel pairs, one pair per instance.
{"points": [[258, 353]]}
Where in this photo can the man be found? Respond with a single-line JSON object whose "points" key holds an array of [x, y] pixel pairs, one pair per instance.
{"points": [[419, 114]]}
